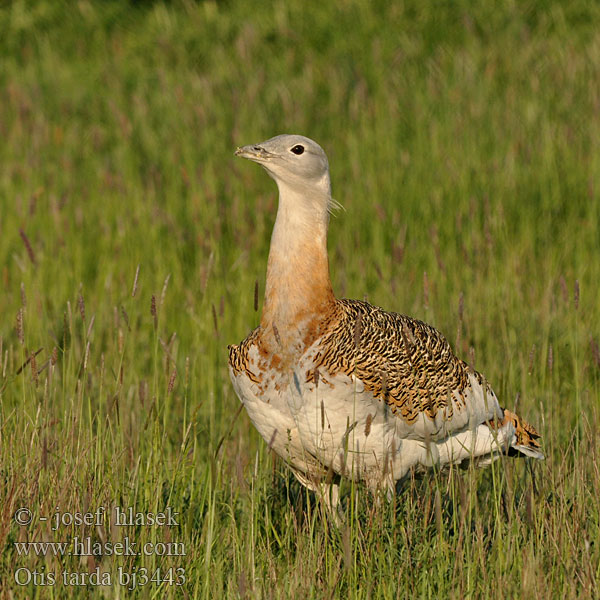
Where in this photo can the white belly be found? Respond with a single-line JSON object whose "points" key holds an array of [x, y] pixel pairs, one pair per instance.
{"points": [[338, 425], [333, 425]]}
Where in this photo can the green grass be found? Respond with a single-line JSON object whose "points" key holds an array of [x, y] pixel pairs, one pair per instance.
{"points": [[463, 142]]}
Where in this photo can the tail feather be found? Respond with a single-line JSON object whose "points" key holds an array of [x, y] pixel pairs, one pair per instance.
{"points": [[525, 440]]}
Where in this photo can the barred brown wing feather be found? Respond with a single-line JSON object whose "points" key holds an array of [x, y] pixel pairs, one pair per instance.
{"points": [[402, 361]]}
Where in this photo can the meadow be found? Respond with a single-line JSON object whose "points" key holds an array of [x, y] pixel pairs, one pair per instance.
{"points": [[463, 144]]}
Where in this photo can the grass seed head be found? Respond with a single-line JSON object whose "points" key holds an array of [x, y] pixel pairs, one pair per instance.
{"points": [[358, 330], [34, 369], [471, 357], [90, 327], [86, 356], [28, 246], [19, 326], [407, 338], [135, 281], [153, 311], [125, 317], [164, 289], [368, 425], [531, 359], [384, 385], [215, 319], [81, 304], [142, 392], [172, 381]]}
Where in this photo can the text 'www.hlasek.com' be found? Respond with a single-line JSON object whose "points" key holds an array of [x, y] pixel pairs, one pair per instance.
{"points": [[86, 538]]}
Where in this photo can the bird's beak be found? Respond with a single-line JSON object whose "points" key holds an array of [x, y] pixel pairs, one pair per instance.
{"points": [[256, 153]]}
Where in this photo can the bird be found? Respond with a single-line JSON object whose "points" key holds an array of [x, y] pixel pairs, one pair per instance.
{"points": [[340, 388]]}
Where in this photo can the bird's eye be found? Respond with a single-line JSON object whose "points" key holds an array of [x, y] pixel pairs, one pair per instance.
{"points": [[298, 149]]}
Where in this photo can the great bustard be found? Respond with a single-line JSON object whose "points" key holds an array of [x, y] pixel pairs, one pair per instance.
{"points": [[341, 386]]}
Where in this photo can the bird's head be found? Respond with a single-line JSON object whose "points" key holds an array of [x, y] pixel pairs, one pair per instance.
{"points": [[293, 161]]}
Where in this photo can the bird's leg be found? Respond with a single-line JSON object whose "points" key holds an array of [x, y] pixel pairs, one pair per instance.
{"points": [[329, 494], [382, 490]]}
